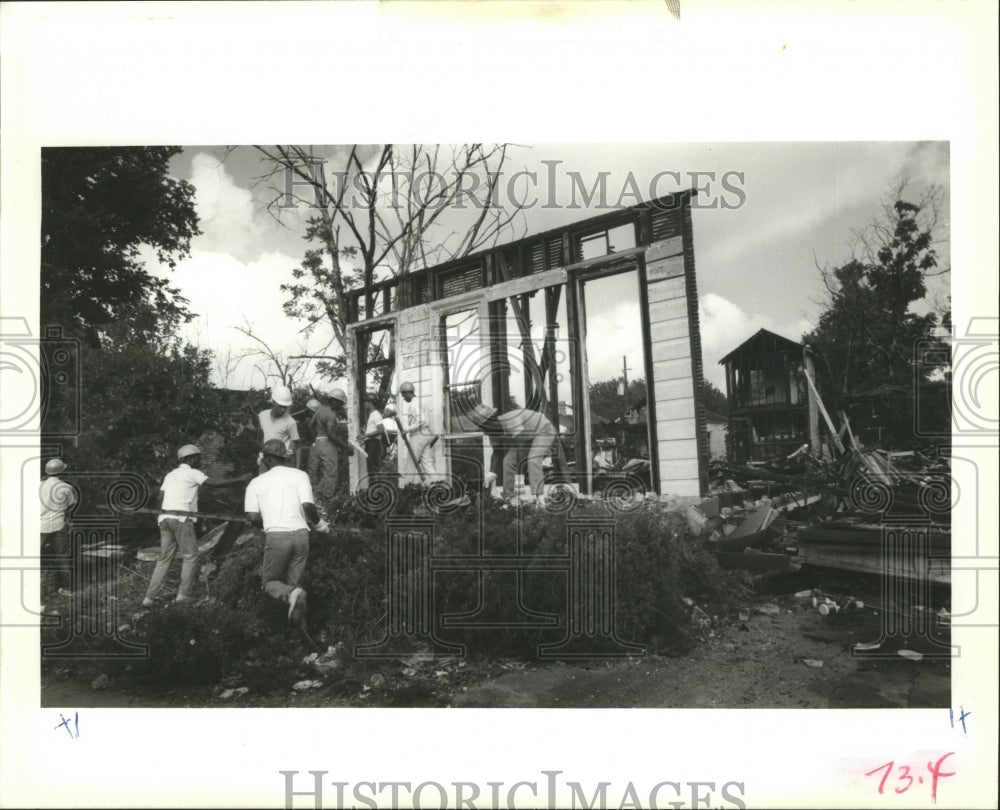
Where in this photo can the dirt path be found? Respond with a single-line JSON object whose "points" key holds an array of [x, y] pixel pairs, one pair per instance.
{"points": [[757, 663], [757, 667]]}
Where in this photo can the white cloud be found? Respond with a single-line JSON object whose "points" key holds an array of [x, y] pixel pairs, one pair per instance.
{"points": [[230, 219]]}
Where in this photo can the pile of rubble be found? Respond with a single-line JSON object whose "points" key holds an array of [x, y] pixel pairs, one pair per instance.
{"points": [[804, 509]]}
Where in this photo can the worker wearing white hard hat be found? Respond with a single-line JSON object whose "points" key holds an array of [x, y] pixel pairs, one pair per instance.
{"points": [[415, 458], [277, 423], [57, 497], [328, 423], [179, 494]]}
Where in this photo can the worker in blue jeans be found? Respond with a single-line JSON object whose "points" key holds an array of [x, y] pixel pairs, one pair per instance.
{"points": [[281, 503], [179, 492]]}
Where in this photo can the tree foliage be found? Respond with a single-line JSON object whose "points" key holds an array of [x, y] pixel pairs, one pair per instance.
{"points": [[608, 401], [865, 343], [142, 399], [713, 399], [100, 207]]}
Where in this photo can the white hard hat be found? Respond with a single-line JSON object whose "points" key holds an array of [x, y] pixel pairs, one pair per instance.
{"points": [[280, 395], [188, 450], [54, 466], [406, 386], [338, 394], [312, 404]]}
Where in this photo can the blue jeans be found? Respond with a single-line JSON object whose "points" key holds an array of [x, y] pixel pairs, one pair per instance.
{"points": [[285, 555], [175, 534]]}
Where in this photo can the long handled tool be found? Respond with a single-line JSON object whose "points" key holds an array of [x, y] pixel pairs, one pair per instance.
{"points": [[413, 457], [209, 515]]}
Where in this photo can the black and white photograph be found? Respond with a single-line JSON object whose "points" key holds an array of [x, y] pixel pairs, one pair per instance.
{"points": [[501, 445]]}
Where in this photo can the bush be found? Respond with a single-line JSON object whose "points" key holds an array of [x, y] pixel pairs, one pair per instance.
{"points": [[194, 644]]}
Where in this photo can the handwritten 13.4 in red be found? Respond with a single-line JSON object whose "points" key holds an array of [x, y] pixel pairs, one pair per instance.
{"points": [[905, 779]]}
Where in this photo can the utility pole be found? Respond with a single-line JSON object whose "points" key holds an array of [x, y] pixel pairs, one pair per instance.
{"points": [[625, 392]]}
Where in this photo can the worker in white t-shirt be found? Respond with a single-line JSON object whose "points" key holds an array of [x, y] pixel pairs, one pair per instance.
{"points": [[277, 423], [280, 501], [179, 493], [416, 464], [57, 497]]}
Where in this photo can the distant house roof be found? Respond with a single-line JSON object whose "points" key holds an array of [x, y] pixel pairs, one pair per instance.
{"points": [[771, 341]]}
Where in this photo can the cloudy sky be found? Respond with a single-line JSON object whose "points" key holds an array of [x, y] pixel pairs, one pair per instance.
{"points": [[781, 208]]}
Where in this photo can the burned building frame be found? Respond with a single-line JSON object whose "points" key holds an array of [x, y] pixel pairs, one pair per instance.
{"points": [[773, 406], [508, 327]]}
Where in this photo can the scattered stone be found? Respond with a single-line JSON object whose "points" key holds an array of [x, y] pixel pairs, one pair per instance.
{"points": [[768, 609], [911, 655], [744, 616], [305, 686], [803, 594], [700, 619], [228, 693], [377, 680], [815, 663], [696, 519], [100, 682]]}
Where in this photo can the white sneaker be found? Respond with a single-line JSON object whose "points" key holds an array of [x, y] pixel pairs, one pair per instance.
{"points": [[293, 601]]}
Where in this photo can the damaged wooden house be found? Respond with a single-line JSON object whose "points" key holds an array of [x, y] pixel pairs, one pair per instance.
{"points": [[521, 325], [773, 406]]}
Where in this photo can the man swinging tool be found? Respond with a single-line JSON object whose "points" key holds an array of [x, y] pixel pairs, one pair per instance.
{"points": [[416, 436]]}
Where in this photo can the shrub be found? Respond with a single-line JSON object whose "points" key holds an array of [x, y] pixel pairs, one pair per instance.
{"points": [[194, 644]]}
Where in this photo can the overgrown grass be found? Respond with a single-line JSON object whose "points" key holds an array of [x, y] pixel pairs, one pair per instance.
{"points": [[240, 629]]}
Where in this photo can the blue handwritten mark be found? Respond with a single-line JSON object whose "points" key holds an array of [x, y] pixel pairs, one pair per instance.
{"points": [[961, 718], [74, 732]]}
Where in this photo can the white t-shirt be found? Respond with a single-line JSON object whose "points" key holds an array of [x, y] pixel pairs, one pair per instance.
{"points": [[56, 497], [284, 428], [278, 496], [411, 417], [374, 420], [180, 491]]}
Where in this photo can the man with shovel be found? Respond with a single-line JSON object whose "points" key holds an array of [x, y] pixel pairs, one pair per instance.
{"points": [[415, 436]]}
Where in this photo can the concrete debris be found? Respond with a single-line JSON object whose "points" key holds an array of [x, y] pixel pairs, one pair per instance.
{"points": [[696, 519], [700, 619], [768, 609], [911, 655], [814, 663], [305, 686], [102, 681], [239, 692]]}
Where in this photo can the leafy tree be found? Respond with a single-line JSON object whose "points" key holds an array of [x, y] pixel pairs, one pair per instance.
{"points": [[607, 401], [144, 395], [100, 207], [865, 340], [713, 399]]}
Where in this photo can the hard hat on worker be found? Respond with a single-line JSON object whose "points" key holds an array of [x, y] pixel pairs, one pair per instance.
{"points": [[274, 447], [338, 394], [281, 396], [187, 450], [312, 404], [54, 466], [407, 386]]}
